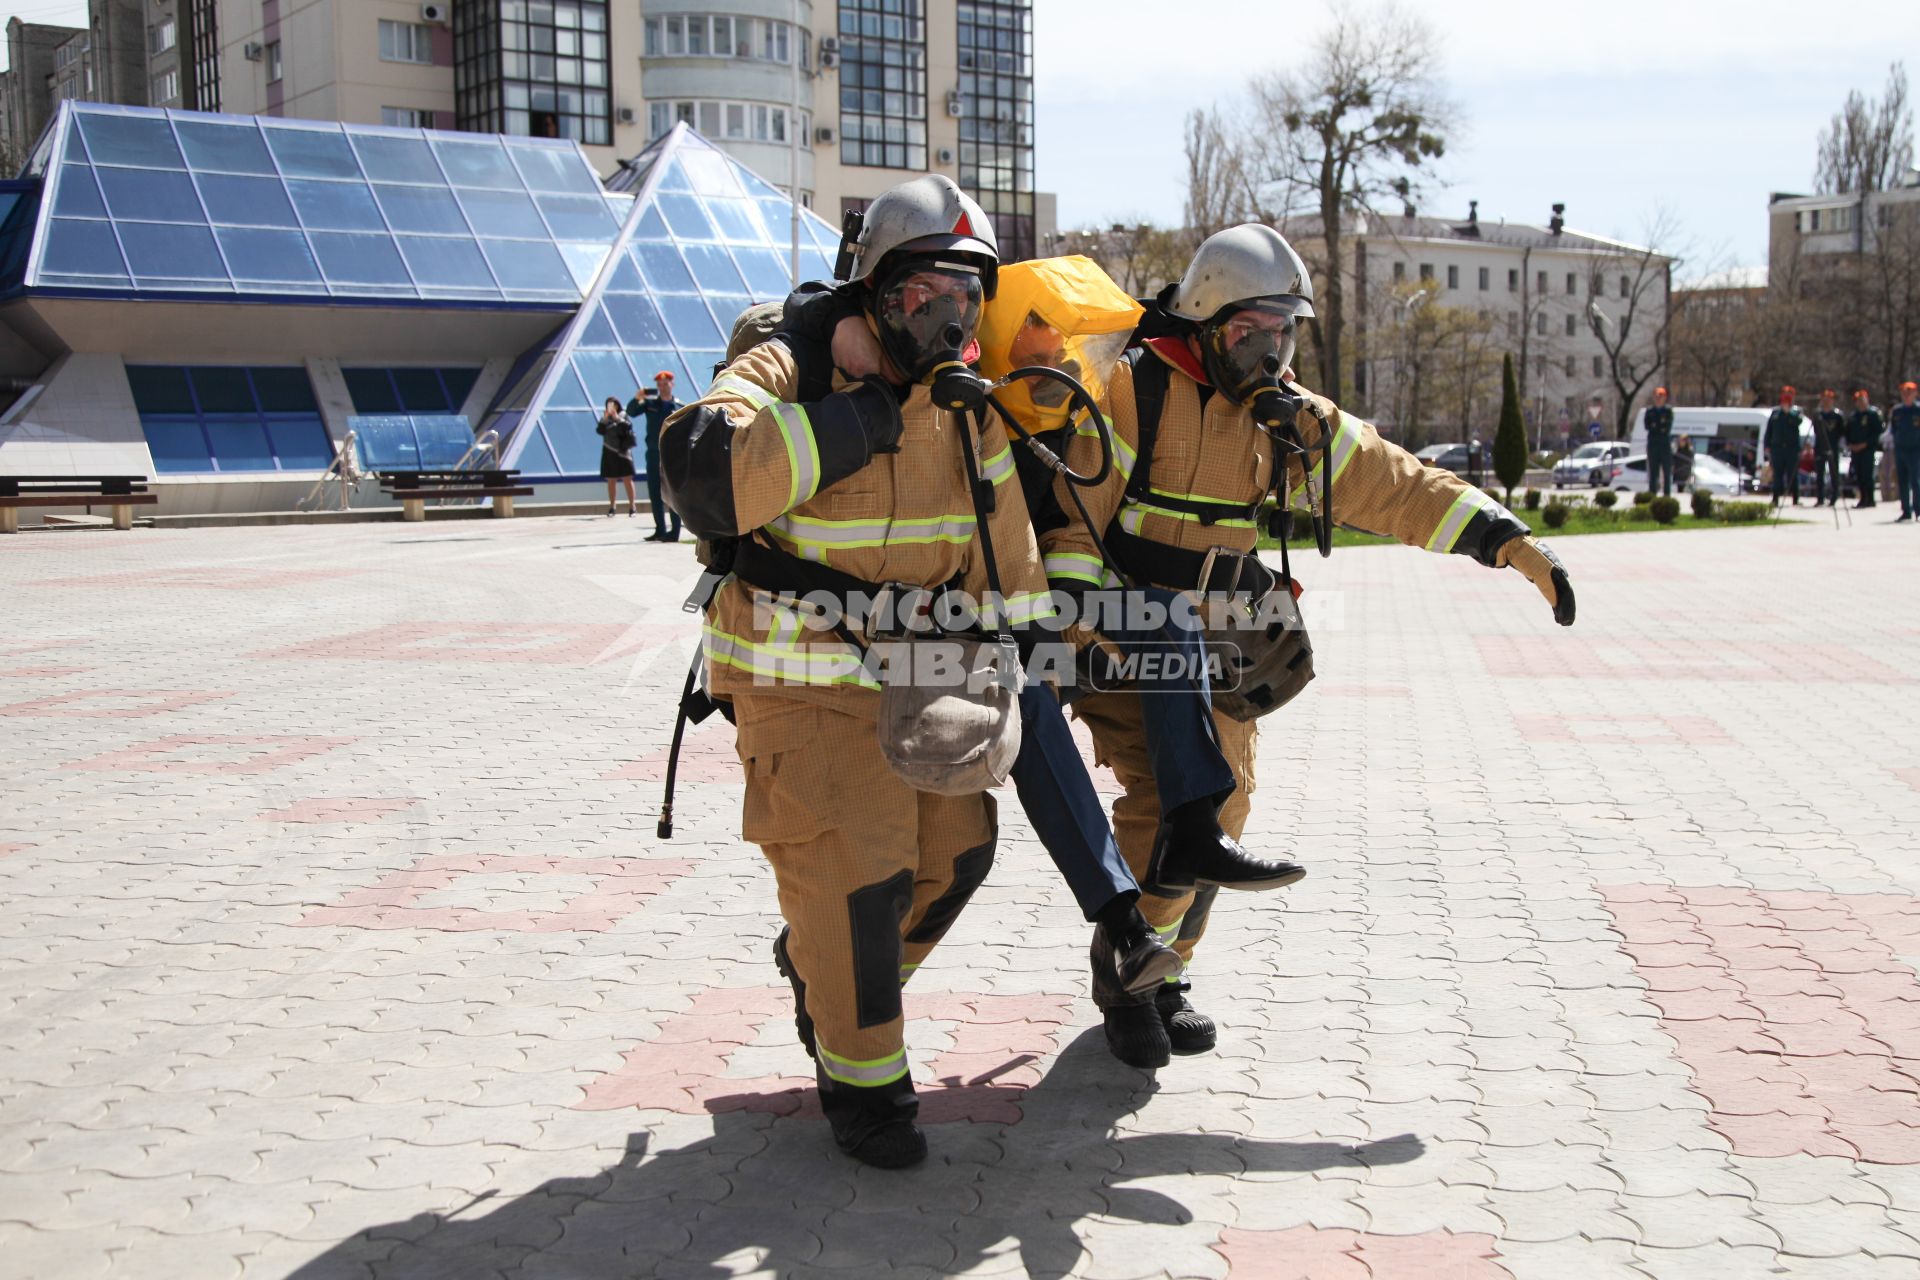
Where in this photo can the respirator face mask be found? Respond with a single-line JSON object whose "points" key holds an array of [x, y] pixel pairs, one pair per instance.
{"points": [[1248, 348], [926, 311]]}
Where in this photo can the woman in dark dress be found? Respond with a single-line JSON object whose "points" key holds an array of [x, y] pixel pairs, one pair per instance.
{"points": [[616, 451]]}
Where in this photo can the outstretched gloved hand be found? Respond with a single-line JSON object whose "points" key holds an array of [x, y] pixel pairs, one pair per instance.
{"points": [[1544, 570]]}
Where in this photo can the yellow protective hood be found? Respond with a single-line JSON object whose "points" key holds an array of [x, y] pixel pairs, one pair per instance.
{"points": [[1062, 312]]}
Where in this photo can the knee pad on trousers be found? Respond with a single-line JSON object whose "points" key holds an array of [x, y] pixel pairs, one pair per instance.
{"points": [[874, 916], [969, 873]]}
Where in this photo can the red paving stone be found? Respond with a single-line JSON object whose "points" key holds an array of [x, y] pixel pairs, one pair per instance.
{"points": [[1321, 1253], [128, 703], [320, 809], [1797, 1017], [8, 850], [559, 643], [1574, 657], [622, 887], [999, 1044], [247, 753], [1624, 730], [1909, 776], [210, 578]]}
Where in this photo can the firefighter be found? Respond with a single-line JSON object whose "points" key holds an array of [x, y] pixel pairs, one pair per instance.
{"points": [[1829, 442], [1660, 445], [1201, 393], [1783, 448]]}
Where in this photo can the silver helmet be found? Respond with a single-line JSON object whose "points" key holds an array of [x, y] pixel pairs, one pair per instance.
{"points": [[929, 214], [1238, 265]]}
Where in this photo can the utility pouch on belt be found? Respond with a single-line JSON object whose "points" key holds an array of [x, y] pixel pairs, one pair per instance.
{"points": [[949, 718]]}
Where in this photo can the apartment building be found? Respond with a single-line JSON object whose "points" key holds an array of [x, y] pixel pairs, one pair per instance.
{"points": [[104, 61]]}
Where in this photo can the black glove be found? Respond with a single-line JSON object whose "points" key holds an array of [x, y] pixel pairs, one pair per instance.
{"points": [[851, 426]]}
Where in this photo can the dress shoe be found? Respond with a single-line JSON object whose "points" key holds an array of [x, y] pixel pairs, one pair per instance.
{"points": [[1191, 850], [1142, 963]]}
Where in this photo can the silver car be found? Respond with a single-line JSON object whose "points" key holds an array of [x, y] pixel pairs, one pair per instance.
{"points": [[1587, 464]]}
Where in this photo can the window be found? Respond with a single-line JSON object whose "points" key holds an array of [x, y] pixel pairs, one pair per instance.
{"points": [[676, 36], [227, 418], [1540, 324], [406, 42], [540, 68], [1599, 367], [203, 39], [1453, 277], [409, 390], [1426, 271], [1572, 326], [273, 62], [1399, 272], [165, 88], [1813, 220], [883, 84], [406, 117], [1573, 284], [1513, 324], [1486, 279], [160, 36], [1540, 282], [1626, 287], [736, 120], [1569, 366], [1513, 280], [722, 45]]}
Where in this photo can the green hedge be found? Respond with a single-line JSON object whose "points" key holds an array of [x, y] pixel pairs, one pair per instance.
{"points": [[1702, 504], [1605, 498], [1555, 514], [1665, 510]]}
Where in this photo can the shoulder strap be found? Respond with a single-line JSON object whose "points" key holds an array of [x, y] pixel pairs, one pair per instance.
{"points": [[1149, 398]]}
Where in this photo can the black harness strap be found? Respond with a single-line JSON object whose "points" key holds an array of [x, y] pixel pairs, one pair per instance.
{"points": [[1149, 398], [1168, 566]]}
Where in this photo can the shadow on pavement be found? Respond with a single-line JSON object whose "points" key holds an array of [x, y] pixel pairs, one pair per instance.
{"points": [[765, 1183]]}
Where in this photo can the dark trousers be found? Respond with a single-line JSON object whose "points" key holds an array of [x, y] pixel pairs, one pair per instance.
{"points": [[1660, 471], [1177, 713], [1906, 472], [1057, 793], [1826, 474], [1786, 476], [1865, 478], [659, 508]]}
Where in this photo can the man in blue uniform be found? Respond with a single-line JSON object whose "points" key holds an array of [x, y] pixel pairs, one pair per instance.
{"points": [[1906, 450], [1863, 442], [1783, 448], [1829, 442], [1660, 445], [658, 409]]}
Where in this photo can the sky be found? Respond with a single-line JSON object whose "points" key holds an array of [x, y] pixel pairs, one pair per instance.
{"points": [[1622, 111]]}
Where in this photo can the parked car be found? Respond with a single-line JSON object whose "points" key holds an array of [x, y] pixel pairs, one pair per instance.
{"points": [[1450, 457], [1629, 475], [1587, 464]]}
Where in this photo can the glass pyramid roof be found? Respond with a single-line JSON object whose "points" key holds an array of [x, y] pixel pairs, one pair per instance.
{"points": [[139, 201], [705, 239]]}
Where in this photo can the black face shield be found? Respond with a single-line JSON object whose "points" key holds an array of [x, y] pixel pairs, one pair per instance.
{"points": [[1248, 346], [927, 309]]}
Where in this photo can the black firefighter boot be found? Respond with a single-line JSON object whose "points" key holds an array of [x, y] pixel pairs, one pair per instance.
{"points": [[1135, 1033], [1188, 1030], [802, 1021], [1191, 850]]}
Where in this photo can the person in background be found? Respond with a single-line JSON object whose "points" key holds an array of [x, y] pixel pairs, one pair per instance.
{"points": [[1683, 463], [1783, 448], [1863, 441], [1829, 442], [1906, 450], [1659, 444], [658, 404], [616, 451]]}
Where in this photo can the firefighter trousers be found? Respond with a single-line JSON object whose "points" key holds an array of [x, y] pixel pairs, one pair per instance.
{"points": [[871, 875], [1118, 722]]}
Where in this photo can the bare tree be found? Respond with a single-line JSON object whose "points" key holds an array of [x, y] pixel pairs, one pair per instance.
{"points": [[1139, 256], [1365, 118], [1869, 145], [1217, 195], [1630, 311]]}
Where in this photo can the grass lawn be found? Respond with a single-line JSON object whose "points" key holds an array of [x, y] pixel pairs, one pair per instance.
{"points": [[1583, 519]]}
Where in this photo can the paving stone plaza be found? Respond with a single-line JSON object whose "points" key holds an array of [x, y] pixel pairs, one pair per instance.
{"points": [[335, 940]]}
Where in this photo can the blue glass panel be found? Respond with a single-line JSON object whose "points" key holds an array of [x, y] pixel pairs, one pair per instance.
{"points": [[145, 142], [420, 390], [554, 169], [691, 323], [82, 248], [825, 238], [79, 196], [422, 209], [598, 331], [157, 195], [503, 213], [757, 186], [477, 164], [371, 390], [700, 371], [247, 202], [346, 258], [605, 373], [674, 178], [284, 389], [459, 384], [575, 443], [649, 363], [652, 227], [396, 159], [713, 268], [169, 249], [710, 172], [76, 152], [445, 263], [536, 459], [300, 442], [637, 319], [226, 148], [312, 153], [779, 214], [584, 260], [337, 206], [740, 223], [444, 438], [522, 265], [177, 445], [256, 254], [386, 441], [688, 220], [239, 443], [626, 277], [578, 217], [223, 388], [665, 269], [767, 272], [815, 266], [726, 308], [160, 388]]}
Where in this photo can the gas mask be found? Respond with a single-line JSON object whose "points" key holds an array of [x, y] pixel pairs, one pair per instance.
{"points": [[1246, 348], [925, 309], [1059, 313]]}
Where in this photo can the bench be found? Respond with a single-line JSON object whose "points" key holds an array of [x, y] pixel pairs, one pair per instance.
{"points": [[413, 488], [119, 493]]}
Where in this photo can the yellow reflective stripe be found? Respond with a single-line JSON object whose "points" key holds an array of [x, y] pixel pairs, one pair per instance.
{"points": [[1074, 565], [1346, 443], [754, 394], [1029, 606], [1139, 509], [809, 532], [792, 664], [906, 971], [868, 1074], [803, 455], [1124, 454], [1168, 932], [1464, 508], [996, 469]]}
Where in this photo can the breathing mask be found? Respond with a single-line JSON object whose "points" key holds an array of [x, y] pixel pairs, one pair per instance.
{"points": [[1246, 348], [925, 309]]}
